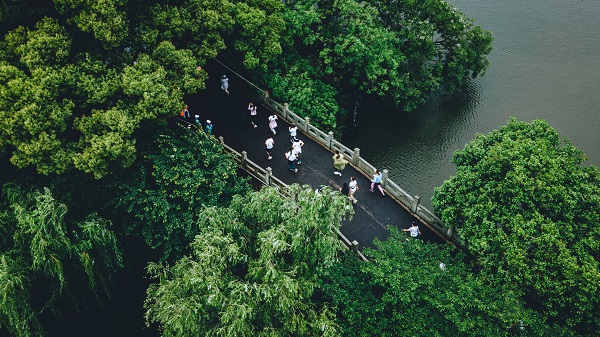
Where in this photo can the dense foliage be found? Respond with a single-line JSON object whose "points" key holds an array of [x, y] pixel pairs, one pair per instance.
{"points": [[399, 50], [76, 85], [253, 268], [528, 210], [413, 288], [164, 193], [46, 262]]}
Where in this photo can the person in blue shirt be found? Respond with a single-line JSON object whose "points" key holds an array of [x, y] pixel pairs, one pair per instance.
{"points": [[376, 181], [208, 128], [225, 84]]}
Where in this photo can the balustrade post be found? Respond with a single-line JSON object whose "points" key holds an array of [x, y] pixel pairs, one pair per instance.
{"points": [[221, 140], [306, 124], [329, 139], [355, 156], [268, 176], [285, 111], [354, 246], [384, 177], [244, 155], [416, 203], [449, 232]]}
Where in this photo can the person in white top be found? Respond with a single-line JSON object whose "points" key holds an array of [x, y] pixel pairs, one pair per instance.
{"points": [[293, 130], [253, 113], [269, 144], [291, 157], [353, 185], [225, 84], [414, 230], [273, 123], [297, 145]]}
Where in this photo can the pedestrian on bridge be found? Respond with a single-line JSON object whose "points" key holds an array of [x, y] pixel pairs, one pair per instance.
{"points": [[414, 230], [273, 123], [293, 130], [253, 113], [353, 186], [225, 84], [208, 127], [339, 163], [297, 145], [291, 157], [376, 181], [269, 144]]}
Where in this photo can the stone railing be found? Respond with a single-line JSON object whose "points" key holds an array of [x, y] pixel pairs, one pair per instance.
{"points": [[413, 204], [266, 177]]}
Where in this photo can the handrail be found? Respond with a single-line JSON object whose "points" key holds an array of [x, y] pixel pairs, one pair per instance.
{"points": [[265, 176], [412, 204]]}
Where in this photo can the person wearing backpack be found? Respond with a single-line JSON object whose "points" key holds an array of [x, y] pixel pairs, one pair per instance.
{"points": [[291, 157]]}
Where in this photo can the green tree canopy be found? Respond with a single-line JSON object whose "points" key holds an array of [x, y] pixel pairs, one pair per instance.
{"points": [[527, 208], [253, 268], [76, 85], [163, 195], [61, 109], [45, 261], [400, 50], [413, 288]]}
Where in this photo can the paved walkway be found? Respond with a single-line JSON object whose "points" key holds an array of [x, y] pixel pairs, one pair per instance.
{"points": [[231, 119]]}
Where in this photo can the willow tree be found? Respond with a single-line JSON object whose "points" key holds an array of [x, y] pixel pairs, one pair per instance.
{"points": [[46, 262], [527, 208], [253, 269]]}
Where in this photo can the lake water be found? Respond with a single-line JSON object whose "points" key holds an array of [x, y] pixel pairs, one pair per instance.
{"points": [[545, 65]]}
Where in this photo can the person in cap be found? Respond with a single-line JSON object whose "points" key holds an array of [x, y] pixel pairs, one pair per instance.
{"points": [[225, 84], [208, 128]]}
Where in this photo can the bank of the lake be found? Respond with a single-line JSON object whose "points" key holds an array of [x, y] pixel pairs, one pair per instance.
{"points": [[544, 66]]}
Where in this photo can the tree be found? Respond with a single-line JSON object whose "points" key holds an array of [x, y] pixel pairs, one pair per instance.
{"points": [[45, 260], [527, 209], [401, 51], [414, 288], [60, 110], [106, 19], [251, 29], [435, 30], [163, 196], [253, 268]]}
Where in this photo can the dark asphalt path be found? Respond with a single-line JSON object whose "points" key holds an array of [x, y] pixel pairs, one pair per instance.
{"points": [[231, 119]]}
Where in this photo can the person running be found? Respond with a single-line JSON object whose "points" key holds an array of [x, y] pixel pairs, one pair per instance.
{"points": [[291, 157], [269, 144], [297, 145], [376, 181], [273, 123], [185, 113], [339, 163], [253, 113], [293, 130], [414, 230], [225, 84], [353, 185], [208, 128]]}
